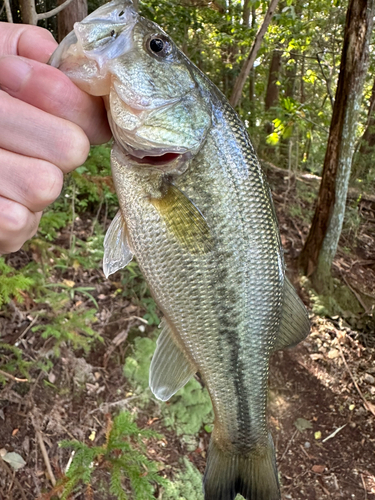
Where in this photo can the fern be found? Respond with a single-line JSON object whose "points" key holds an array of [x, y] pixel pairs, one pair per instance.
{"points": [[121, 455], [12, 283], [12, 362], [71, 327]]}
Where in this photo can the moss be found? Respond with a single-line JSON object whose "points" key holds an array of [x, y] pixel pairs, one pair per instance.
{"points": [[187, 484], [339, 300]]}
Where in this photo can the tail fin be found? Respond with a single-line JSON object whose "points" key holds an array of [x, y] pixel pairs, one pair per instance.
{"points": [[254, 476]]}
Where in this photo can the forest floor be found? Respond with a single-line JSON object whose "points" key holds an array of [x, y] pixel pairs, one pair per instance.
{"points": [[322, 393]]}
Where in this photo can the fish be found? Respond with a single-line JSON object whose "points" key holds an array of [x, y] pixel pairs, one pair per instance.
{"points": [[197, 214]]}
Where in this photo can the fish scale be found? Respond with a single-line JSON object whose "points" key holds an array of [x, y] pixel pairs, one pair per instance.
{"points": [[196, 211]]}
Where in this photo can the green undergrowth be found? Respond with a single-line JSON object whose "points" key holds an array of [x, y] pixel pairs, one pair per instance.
{"points": [[187, 412], [340, 301], [129, 474], [187, 484], [69, 242]]}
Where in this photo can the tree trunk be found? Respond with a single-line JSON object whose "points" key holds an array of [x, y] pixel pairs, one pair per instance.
{"points": [[272, 94], [29, 15], [272, 99], [75, 12], [290, 85], [368, 137], [252, 121], [248, 64], [321, 244], [246, 13]]}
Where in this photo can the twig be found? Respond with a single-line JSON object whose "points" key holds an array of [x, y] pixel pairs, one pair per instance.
{"points": [[13, 477], [364, 487], [334, 433], [45, 454], [326, 80], [369, 406], [53, 12], [8, 11], [305, 452], [28, 328], [288, 445], [12, 377]]}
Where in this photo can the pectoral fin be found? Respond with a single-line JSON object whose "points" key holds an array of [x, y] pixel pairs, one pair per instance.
{"points": [[117, 253], [184, 220], [294, 324], [170, 368]]}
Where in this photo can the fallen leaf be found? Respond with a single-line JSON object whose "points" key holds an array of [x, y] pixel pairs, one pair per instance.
{"points": [[302, 424], [14, 460], [14, 432], [317, 435], [69, 283], [333, 353], [318, 469]]}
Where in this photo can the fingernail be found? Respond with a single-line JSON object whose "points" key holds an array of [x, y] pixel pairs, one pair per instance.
{"points": [[13, 73]]}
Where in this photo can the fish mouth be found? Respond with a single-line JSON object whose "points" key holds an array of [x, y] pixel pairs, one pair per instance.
{"points": [[156, 161]]}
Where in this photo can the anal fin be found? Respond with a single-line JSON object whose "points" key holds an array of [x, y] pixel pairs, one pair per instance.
{"points": [[294, 324], [117, 252], [170, 368]]}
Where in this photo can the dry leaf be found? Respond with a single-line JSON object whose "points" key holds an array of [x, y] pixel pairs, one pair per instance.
{"points": [[14, 460], [318, 469]]}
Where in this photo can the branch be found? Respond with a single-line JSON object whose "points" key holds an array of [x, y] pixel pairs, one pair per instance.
{"points": [[13, 477], [53, 12], [369, 406], [248, 64], [326, 80], [45, 455], [8, 11]]}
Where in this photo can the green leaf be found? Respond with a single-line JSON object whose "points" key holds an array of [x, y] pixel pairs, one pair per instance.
{"points": [[302, 424], [14, 460]]}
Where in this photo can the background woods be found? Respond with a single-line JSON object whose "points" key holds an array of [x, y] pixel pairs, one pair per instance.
{"points": [[75, 347]]}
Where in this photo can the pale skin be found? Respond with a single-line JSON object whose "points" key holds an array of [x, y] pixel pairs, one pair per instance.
{"points": [[46, 127]]}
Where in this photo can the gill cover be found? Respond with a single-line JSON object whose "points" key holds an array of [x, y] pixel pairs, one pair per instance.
{"points": [[154, 103]]}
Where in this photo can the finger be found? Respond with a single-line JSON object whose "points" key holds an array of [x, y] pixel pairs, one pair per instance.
{"points": [[31, 182], [49, 89], [32, 132], [25, 40], [17, 224]]}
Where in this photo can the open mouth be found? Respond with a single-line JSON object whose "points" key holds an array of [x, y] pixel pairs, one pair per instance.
{"points": [[157, 160]]}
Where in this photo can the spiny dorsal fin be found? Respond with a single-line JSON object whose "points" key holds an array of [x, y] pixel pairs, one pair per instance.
{"points": [[117, 253], [170, 368], [184, 220], [294, 324]]}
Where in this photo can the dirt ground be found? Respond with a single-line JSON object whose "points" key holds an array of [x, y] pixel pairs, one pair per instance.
{"points": [[322, 393]]}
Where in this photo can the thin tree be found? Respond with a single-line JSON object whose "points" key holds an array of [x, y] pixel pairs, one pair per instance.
{"points": [[30, 15], [322, 241], [248, 64], [74, 12]]}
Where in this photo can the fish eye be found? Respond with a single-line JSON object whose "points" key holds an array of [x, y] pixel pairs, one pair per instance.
{"points": [[156, 44], [113, 34], [159, 45]]}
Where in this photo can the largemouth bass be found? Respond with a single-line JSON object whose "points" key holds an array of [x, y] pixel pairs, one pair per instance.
{"points": [[196, 212]]}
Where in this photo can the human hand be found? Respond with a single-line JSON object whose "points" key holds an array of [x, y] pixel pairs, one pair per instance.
{"points": [[46, 126]]}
